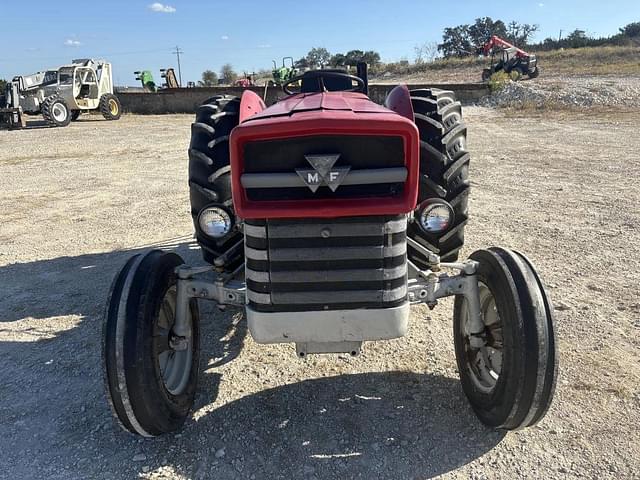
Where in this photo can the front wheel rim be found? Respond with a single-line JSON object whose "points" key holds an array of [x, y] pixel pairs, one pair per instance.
{"points": [[59, 112], [174, 365], [484, 364]]}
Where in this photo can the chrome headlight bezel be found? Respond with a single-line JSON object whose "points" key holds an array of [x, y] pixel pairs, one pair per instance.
{"points": [[216, 213], [435, 216]]}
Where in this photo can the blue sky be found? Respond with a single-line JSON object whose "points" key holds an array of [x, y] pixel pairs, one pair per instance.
{"points": [[137, 35]]}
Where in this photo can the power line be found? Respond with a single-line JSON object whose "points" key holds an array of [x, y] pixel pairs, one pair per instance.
{"points": [[177, 53]]}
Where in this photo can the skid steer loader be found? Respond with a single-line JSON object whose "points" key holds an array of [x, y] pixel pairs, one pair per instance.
{"points": [[61, 95]]}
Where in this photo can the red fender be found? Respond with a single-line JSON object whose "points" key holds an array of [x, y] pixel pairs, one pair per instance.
{"points": [[250, 104], [399, 101]]}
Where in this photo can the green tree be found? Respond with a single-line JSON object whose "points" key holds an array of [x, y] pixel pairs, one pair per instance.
{"points": [[456, 42], [209, 79], [302, 63], [3, 85], [338, 60], [371, 58], [352, 57], [483, 29], [520, 33], [228, 74], [318, 57], [578, 38], [631, 30]]}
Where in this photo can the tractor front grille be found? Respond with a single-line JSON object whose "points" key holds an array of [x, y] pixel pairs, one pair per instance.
{"points": [[377, 167], [326, 264]]}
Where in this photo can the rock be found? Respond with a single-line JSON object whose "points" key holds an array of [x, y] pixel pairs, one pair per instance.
{"points": [[139, 457], [308, 470], [561, 306], [220, 453]]}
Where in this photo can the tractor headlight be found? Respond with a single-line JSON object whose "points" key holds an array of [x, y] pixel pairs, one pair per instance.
{"points": [[435, 216], [215, 222]]}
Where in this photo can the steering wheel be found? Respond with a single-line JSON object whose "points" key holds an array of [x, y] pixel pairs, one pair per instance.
{"points": [[320, 75]]}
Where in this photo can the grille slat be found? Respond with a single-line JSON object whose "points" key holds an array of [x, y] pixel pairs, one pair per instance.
{"points": [[354, 177], [296, 270]]}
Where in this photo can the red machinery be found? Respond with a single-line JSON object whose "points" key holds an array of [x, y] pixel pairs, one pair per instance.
{"points": [[325, 216], [512, 59]]}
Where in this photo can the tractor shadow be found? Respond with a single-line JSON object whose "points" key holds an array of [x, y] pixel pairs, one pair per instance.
{"points": [[387, 425], [369, 425]]}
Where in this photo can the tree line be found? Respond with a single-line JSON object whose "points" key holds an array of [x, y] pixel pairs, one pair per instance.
{"points": [[320, 57], [468, 39], [459, 41]]}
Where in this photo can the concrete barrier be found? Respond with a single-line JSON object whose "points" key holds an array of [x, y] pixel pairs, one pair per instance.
{"points": [[186, 100]]}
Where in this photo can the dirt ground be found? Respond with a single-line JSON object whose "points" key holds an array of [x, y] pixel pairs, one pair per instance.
{"points": [[76, 202]]}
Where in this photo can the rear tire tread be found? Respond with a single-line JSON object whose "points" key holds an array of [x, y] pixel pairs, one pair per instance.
{"points": [[444, 166]]}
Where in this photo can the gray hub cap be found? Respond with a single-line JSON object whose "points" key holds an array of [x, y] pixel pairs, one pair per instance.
{"points": [[175, 365], [59, 112], [485, 363]]}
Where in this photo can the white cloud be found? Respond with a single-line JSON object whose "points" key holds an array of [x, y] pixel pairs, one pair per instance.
{"points": [[541, 5], [160, 8], [264, 45], [69, 42], [225, 37]]}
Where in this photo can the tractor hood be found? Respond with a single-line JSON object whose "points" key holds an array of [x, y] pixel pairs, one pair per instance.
{"points": [[331, 101], [328, 154]]}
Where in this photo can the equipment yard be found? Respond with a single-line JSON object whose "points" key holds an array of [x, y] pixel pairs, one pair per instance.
{"points": [[76, 202]]}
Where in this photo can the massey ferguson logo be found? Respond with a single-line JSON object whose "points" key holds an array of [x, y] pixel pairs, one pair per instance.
{"points": [[323, 173]]}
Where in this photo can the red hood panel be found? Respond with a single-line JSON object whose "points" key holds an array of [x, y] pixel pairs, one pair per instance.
{"points": [[346, 101]]}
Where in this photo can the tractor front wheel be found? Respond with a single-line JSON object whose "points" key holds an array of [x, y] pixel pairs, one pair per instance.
{"points": [[110, 107], [534, 73], [151, 378], [75, 114], [510, 380], [55, 111]]}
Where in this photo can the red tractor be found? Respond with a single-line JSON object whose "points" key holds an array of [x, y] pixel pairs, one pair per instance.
{"points": [[246, 81], [326, 216], [510, 59]]}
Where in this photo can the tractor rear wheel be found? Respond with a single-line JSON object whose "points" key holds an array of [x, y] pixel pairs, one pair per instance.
{"points": [[110, 107], [210, 170], [56, 111], [444, 170]]}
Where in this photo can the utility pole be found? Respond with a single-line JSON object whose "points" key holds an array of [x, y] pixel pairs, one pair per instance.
{"points": [[560, 36], [177, 53]]}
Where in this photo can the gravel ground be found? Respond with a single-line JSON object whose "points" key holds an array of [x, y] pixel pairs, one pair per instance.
{"points": [[76, 202], [578, 91]]}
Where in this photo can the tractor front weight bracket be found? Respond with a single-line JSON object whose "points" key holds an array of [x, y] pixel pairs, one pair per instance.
{"points": [[424, 286], [224, 290], [428, 286]]}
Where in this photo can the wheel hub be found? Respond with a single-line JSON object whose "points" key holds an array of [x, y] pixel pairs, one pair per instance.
{"points": [[485, 363], [59, 112], [173, 353], [113, 107]]}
